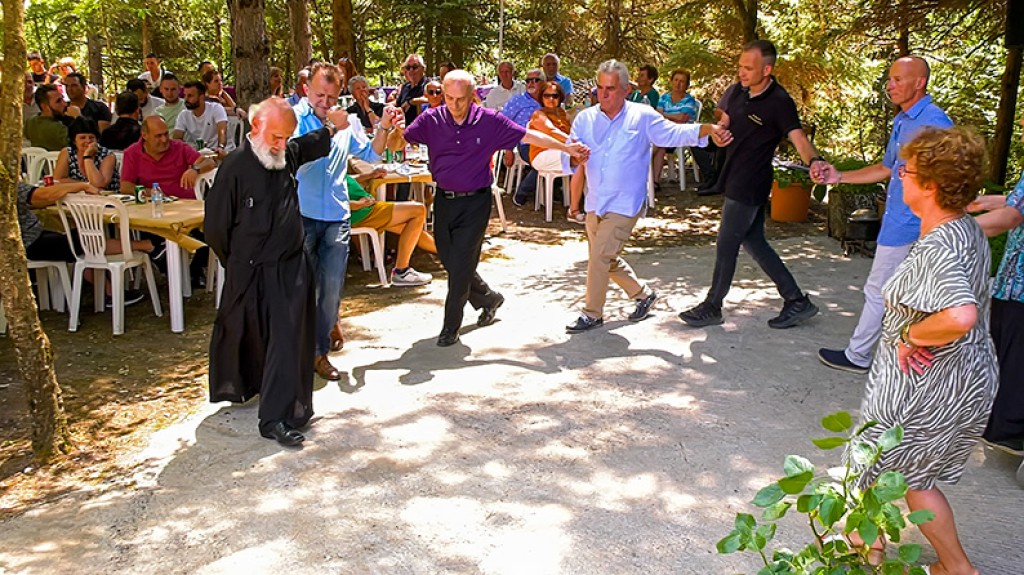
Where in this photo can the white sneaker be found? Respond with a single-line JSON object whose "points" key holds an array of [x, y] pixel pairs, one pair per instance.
{"points": [[410, 277], [579, 218]]}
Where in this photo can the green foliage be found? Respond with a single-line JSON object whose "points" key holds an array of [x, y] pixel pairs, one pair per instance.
{"points": [[835, 508], [786, 177]]}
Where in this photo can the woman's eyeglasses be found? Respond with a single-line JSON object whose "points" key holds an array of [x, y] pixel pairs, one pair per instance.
{"points": [[435, 92], [903, 171], [554, 96]]}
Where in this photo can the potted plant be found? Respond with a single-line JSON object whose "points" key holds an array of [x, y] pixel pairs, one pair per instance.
{"points": [[844, 522], [791, 194]]}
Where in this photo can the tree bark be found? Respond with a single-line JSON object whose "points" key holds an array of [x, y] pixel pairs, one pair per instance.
{"points": [[1004, 117], [95, 44], [250, 51], [344, 33], [147, 40], [301, 35], [32, 347], [747, 12], [613, 29]]}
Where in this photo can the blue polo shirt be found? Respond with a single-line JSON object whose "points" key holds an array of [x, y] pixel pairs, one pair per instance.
{"points": [[323, 194], [620, 153], [899, 225], [566, 84]]}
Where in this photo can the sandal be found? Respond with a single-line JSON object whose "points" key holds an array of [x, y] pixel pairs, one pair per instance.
{"points": [[324, 369], [337, 338]]}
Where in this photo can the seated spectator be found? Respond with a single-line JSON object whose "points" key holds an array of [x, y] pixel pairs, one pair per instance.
{"points": [[506, 88], [551, 119], [85, 160], [410, 96], [645, 92], [369, 112], [276, 82], [403, 218], [125, 130], [40, 75], [157, 158], [444, 68], [552, 64], [62, 68], [173, 104], [434, 93], [49, 129], [204, 67], [678, 106], [44, 245], [74, 85], [520, 109], [301, 87], [215, 93], [151, 76], [348, 71], [148, 103], [29, 108], [203, 120]]}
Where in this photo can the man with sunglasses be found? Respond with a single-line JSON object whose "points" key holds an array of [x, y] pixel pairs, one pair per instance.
{"points": [[411, 95], [907, 87], [519, 109]]}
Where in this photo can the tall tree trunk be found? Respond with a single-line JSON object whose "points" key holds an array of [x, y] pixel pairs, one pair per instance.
{"points": [[218, 38], [429, 48], [250, 50], [95, 43], [613, 29], [344, 35], [147, 36], [32, 347], [1004, 117], [746, 10], [301, 35]]}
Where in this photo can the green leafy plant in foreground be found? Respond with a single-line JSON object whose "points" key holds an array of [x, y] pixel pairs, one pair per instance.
{"points": [[786, 177], [834, 509]]}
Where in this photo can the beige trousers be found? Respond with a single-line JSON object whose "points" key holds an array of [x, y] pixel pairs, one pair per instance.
{"points": [[606, 236]]}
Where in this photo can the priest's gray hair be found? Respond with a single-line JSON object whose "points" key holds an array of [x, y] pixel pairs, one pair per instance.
{"points": [[615, 67], [259, 111]]}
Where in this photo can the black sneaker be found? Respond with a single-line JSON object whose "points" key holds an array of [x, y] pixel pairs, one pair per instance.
{"points": [[712, 190], [794, 313], [584, 323], [1011, 446], [643, 307], [705, 314], [131, 297], [836, 359]]}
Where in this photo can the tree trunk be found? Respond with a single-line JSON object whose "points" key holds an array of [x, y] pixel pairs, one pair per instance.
{"points": [[147, 40], [95, 43], [344, 36], [747, 12], [301, 35], [250, 50], [613, 29], [32, 347], [1004, 117]]}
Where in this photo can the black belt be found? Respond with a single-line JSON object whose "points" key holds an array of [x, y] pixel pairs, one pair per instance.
{"points": [[450, 195]]}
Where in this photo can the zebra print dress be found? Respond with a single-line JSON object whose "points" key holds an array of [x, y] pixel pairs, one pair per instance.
{"points": [[943, 411]]}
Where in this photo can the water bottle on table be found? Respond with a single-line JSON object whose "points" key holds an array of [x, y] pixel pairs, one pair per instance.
{"points": [[156, 201]]}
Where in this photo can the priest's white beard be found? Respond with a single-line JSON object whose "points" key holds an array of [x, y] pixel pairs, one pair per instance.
{"points": [[269, 159]]}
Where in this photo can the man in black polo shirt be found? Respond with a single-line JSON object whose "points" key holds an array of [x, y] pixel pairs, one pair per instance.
{"points": [[759, 114]]}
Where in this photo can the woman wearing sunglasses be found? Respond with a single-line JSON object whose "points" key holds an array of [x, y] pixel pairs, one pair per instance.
{"points": [[552, 120]]}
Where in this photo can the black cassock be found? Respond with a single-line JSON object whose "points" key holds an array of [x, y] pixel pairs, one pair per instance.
{"points": [[263, 336]]}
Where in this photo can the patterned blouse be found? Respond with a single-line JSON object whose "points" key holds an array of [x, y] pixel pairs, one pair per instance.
{"points": [[1009, 282], [687, 104], [75, 173]]}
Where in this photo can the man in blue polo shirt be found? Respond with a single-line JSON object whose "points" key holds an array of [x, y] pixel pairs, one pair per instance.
{"points": [[907, 86], [461, 137], [551, 64], [323, 201]]}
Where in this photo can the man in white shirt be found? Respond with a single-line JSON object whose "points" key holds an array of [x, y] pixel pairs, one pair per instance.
{"points": [[203, 120], [507, 87], [147, 102], [153, 74]]}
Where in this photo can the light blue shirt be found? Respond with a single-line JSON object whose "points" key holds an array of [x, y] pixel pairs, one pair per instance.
{"points": [[566, 84], [1009, 282], [323, 194], [899, 225], [620, 153]]}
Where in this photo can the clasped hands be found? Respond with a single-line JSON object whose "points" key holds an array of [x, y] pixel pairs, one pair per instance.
{"points": [[911, 357]]}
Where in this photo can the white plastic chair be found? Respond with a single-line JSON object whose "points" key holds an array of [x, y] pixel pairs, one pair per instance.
{"points": [[38, 163], [514, 175], [496, 191], [203, 184], [235, 129], [214, 271], [370, 237], [546, 185], [55, 293], [88, 213]]}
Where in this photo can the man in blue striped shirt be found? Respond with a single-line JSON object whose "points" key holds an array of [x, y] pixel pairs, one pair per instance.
{"points": [[619, 135]]}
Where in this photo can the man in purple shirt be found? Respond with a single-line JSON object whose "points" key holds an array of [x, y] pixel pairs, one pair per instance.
{"points": [[461, 137]]}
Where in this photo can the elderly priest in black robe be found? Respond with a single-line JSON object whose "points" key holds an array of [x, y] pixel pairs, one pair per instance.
{"points": [[263, 336]]}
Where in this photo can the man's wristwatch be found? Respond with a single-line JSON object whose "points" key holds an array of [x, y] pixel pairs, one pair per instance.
{"points": [[194, 167], [330, 126]]}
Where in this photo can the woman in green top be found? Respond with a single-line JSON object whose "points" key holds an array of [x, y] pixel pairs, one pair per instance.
{"points": [[403, 218]]}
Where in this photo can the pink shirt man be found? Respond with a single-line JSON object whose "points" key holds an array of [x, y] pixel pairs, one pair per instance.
{"points": [[141, 169]]}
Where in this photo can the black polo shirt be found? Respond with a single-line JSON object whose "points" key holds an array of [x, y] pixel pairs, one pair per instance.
{"points": [[376, 107], [408, 92], [96, 111], [757, 124]]}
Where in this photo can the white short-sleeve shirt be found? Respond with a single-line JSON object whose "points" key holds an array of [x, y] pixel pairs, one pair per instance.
{"points": [[203, 127]]}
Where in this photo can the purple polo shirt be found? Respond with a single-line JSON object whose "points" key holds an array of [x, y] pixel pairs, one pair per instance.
{"points": [[460, 155]]}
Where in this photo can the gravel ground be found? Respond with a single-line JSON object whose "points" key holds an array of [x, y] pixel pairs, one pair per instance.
{"points": [[519, 450]]}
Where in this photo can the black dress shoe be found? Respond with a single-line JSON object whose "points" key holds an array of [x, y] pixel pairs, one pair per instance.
{"points": [[583, 323], [712, 190], [447, 338], [284, 434], [487, 313]]}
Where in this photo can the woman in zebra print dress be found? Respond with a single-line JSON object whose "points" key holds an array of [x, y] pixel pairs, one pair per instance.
{"points": [[935, 370]]}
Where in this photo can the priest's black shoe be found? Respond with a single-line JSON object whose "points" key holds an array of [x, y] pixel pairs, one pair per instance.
{"points": [[284, 434], [709, 190], [487, 313], [447, 338]]}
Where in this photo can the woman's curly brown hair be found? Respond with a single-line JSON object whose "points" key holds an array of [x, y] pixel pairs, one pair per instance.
{"points": [[952, 160]]}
